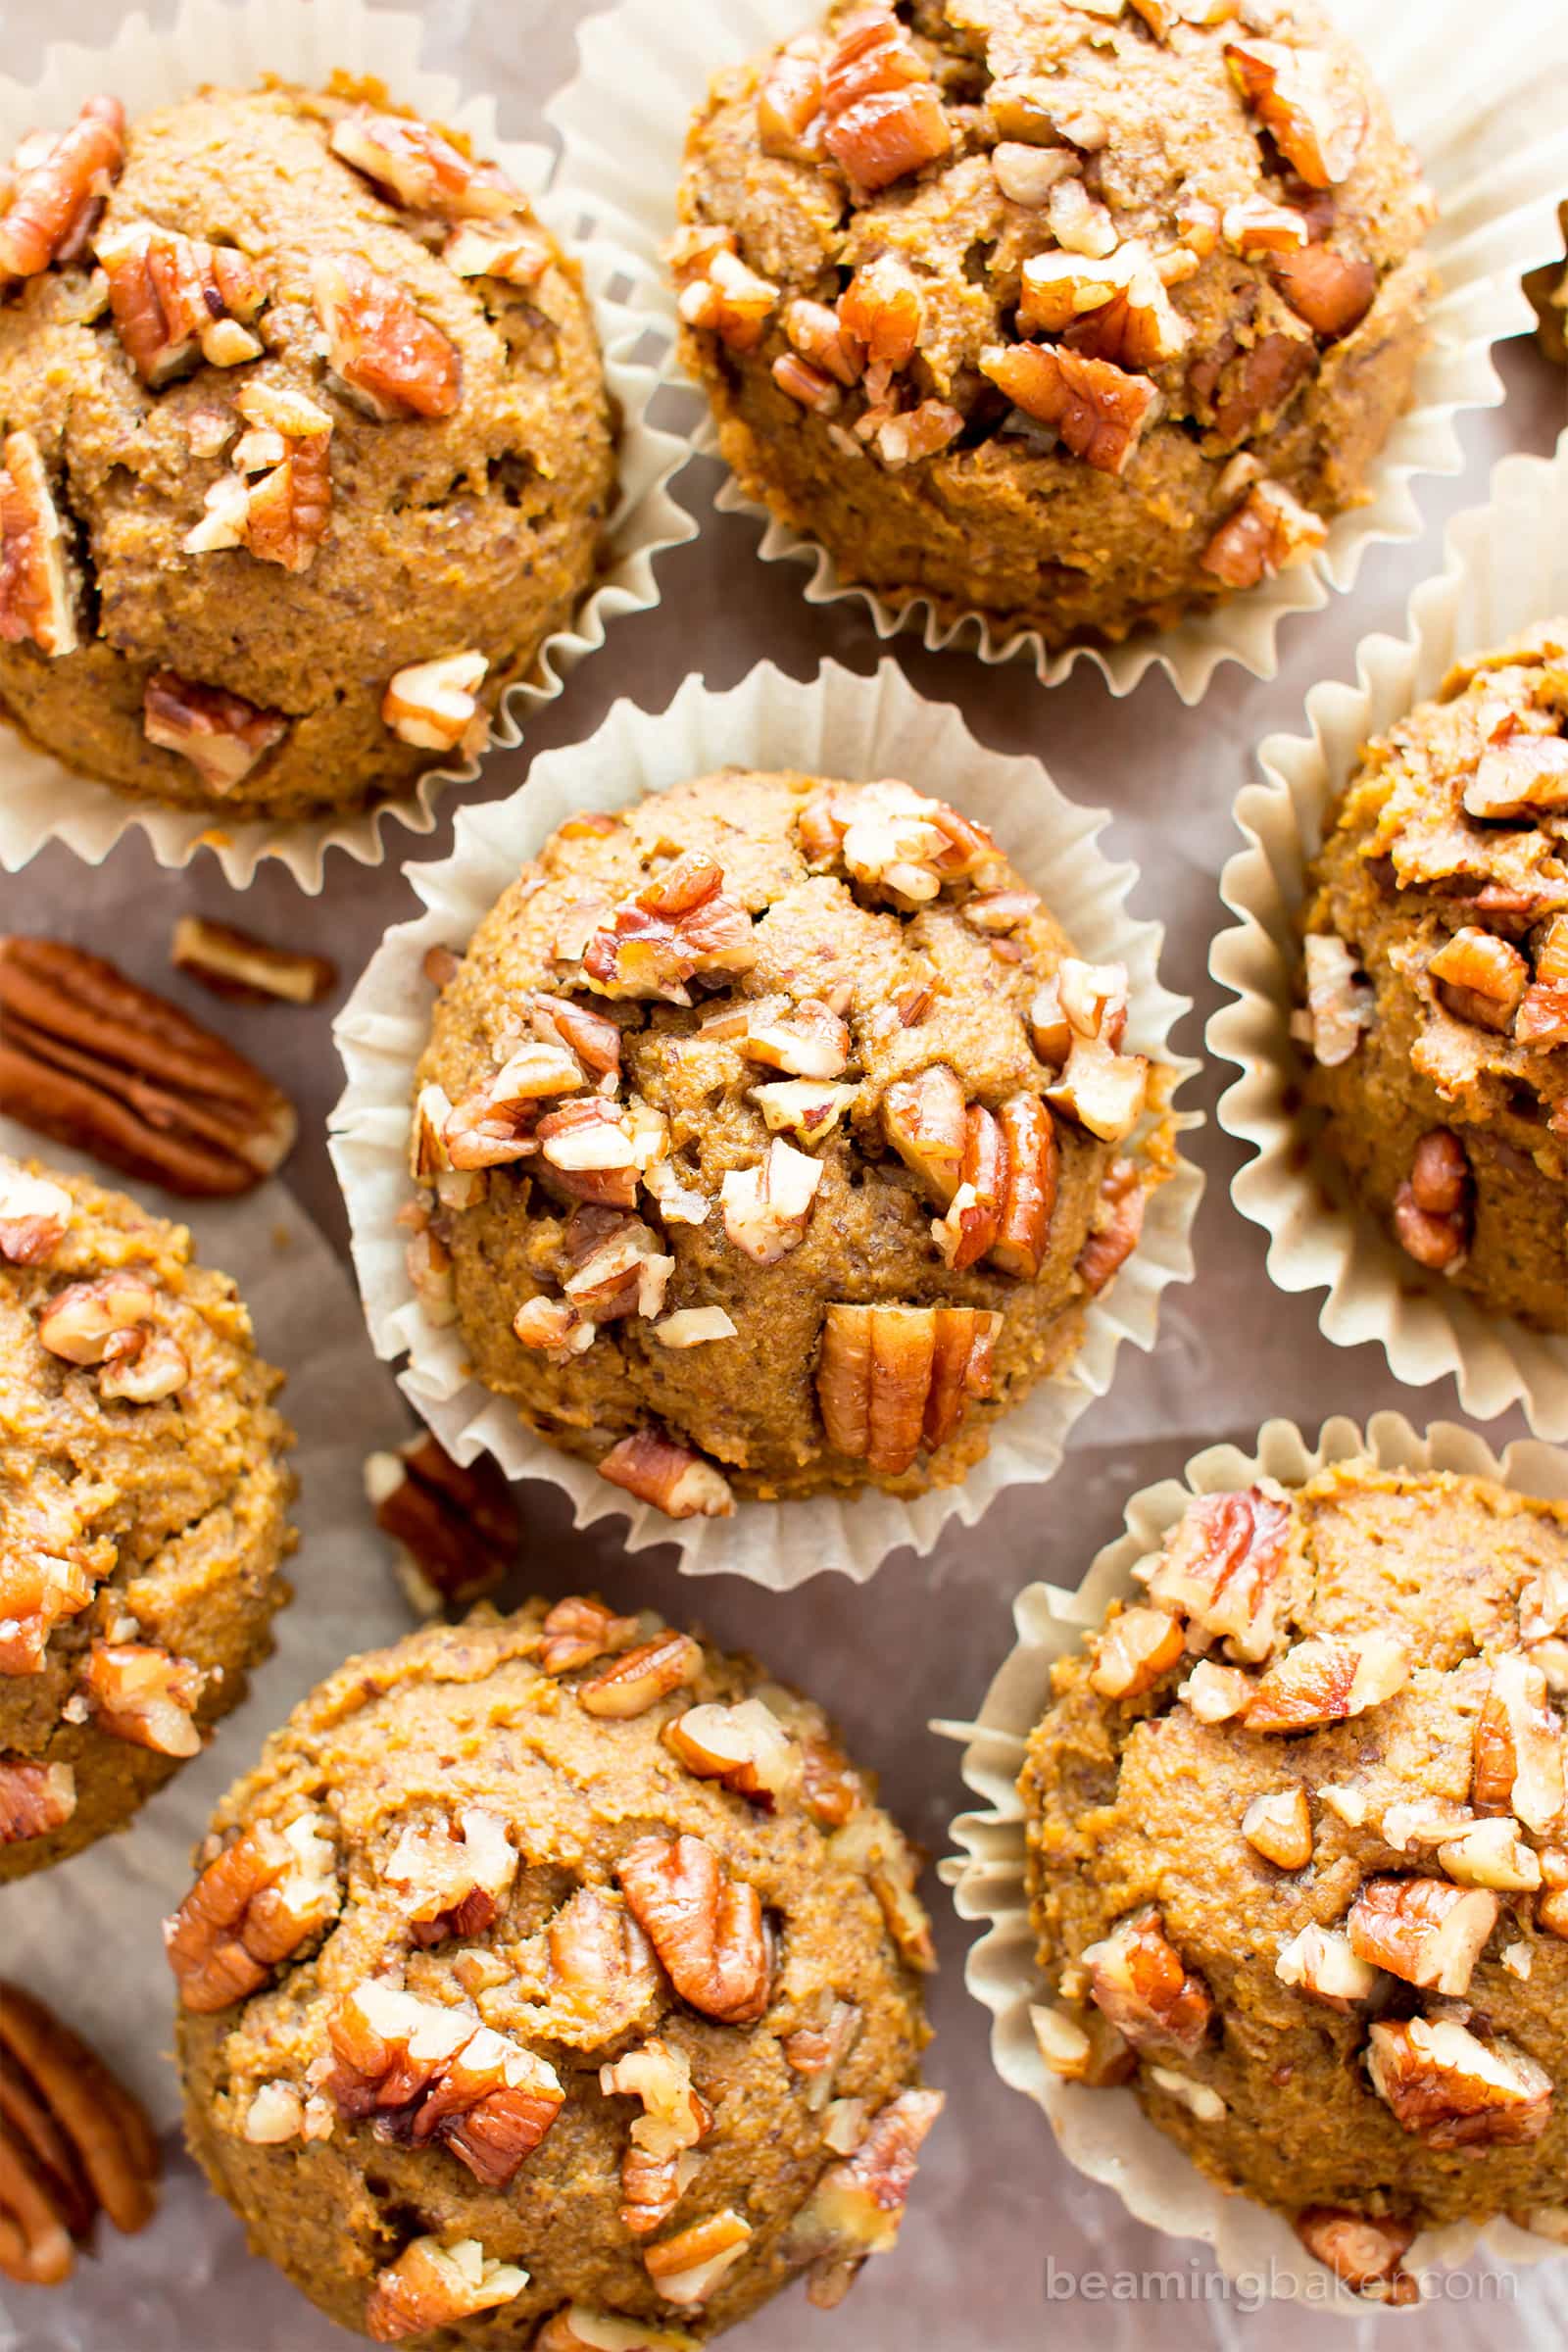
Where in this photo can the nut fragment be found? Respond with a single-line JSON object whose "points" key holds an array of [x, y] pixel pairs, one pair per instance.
{"points": [[818, 2047], [37, 579], [1340, 1004], [421, 168], [705, 1926], [578, 2328], [1452, 2090], [1432, 1210], [809, 1041], [56, 186], [883, 309], [896, 843], [1140, 1980], [1480, 977], [34, 1798], [436, 2074], [1280, 1826], [577, 1632], [257, 1903], [744, 1746], [456, 1874], [640, 1678], [1215, 1693], [82, 1323], [674, 2119], [1364, 2252], [1221, 1565], [891, 1379], [456, 1525], [511, 248], [36, 1215], [856, 2208], [1317, 123], [72, 2142], [176, 299], [431, 2285], [766, 1206], [676, 1480], [1518, 1747], [677, 926], [236, 964], [1333, 291], [144, 1696], [1520, 776], [719, 295], [1269, 532], [1117, 1227], [1317, 1683], [687, 2267], [872, 1843], [1320, 1962], [1101, 410], [1082, 2047], [790, 101], [1425, 1931], [380, 353], [1490, 1854], [883, 115], [282, 515], [435, 705], [1137, 1647]]}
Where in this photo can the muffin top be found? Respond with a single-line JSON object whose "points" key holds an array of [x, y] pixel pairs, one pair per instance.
{"points": [[557, 1969], [774, 1121], [308, 403], [992, 239], [1295, 1853], [1435, 969], [142, 1501]]}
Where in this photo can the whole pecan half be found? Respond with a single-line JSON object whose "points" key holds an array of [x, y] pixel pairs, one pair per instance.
{"points": [[57, 187], [72, 2143], [384, 357], [705, 1927], [891, 1379], [92, 1061], [457, 1525]]}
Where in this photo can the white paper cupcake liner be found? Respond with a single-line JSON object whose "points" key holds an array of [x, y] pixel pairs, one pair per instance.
{"points": [[837, 725], [1105, 2133], [307, 41], [1483, 115], [1507, 567]]}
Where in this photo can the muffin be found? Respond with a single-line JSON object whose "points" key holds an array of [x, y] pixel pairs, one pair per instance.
{"points": [[774, 1141], [143, 1501], [555, 1981], [1294, 1870], [1079, 317], [309, 448], [1435, 980]]}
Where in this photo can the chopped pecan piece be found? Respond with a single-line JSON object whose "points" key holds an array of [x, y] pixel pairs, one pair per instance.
{"points": [[1332, 291], [435, 705], [1140, 1980], [144, 1696], [1220, 1567], [1268, 533], [587, 1152], [57, 186], [893, 841], [695, 1327], [223, 736], [883, 309], [972, 1225], [1280, 1828], [883, 115], [1480, 977], [1432, 1210], [236, 964], [806, 1108], [744, 1746], [818, 2047], [1137, 1647], [1339, 1003], [512, 250], [381, 355], [1317, 123], [37, 578], [1452, 2090], [856, 2208], [1321, 1963], [790, 101], [924, 1120], [678, 926], [34, 1798], [616, 1271], [1137, 326], [144, 1367], [1365, 2253], [686, 2269], [456, 1524], [640, 1678], [36, 1215], [576, 1633], [176, 299], [1103, 1090], [918, 432], [1083, 2047], [1253, 225], [82, 1323], [457, 1875], [809, 1041], [674, 2119], [1543, 1016], [1029, 1188], [578, 2328], [256, 1904], [1520, 776], [1519, 1749], [872, 1843], [705, 1927], [281, 514], [1490, 1854], [766, 1208], [891, 1379], [721, 296], [1118, 1228], [72, 2142], [1101, 412], [431, 2285], [429, 2073], [50, 1565], [1317, 1683], [1423, 1930], [806, 384], [822, 342], [603, 1973], [676, 1480], [1215, 1693], [423, 170]]}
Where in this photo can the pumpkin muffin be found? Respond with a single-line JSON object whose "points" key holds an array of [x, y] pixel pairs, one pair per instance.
{"points": [[308, 448], [555, 1981], [143, 1497], [1076, 317], [1295, 1858], [774, 1141], [1435, 980]]}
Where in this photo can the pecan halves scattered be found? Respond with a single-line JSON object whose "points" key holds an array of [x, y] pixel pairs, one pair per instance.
{"points": [[676, 927], [37, 574], [92, 1061], [255, 1904], [57, 188], [34, 1798], [1433, 1208], [456, 1525], [420, 2072], [74, 2143], [1142, 1983], [672, 1477], [222, 735], [176, 299], [381, 355], [856, 2206], [1101, 412], [705, 1926], [1454, 2090], [891, 1379], [432, 2285]]}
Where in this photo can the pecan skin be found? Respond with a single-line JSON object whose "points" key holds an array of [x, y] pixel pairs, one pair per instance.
{"points": [[390, 361], [460, 1524], [56, 193], [91, 1061], [72, 2142], [705, 1927], [34, 1798]]}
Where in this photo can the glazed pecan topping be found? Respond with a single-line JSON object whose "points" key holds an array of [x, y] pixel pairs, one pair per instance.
{"points": [[893, 841], [223, 736], [380, 354], [766, 1208], [681, 925], [1099, 410], [1480, 978], [1220, 1567], [674, 2119], [425, 2073], [1332, 291], [1137, 1647], [456, 1875], [1318, 1683], [1280, 1828], [1140, 1980], [1317, 125], [257, 1903], [1118, 1227], [640, 1678], [1454, 2090], [1423, 1930], [883, 115], [457, 1523], [676, 1480], [1268, 533], [34, 1798], [176, 299], [744, 1746], [705, 1927], [1432, 1210], [57, 189], [37, 578], [432, 2285], [1519, 1749], [891, 1379], [856, 2208], [143, 1696], [422, 170], [718, 294]]}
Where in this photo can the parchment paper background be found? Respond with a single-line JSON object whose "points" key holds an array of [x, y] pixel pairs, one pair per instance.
{"points": [[994, 2199]]}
